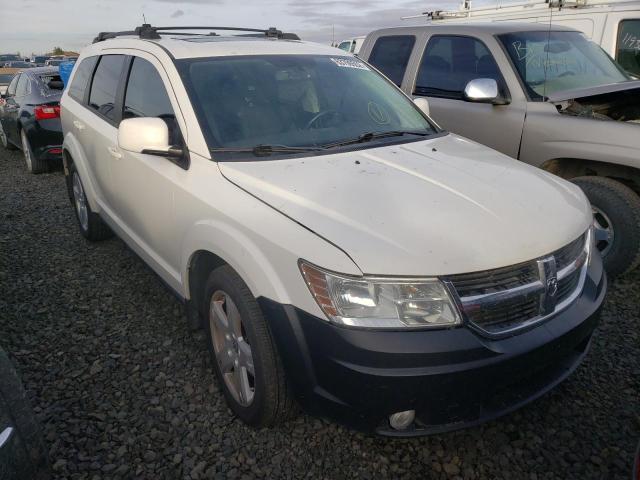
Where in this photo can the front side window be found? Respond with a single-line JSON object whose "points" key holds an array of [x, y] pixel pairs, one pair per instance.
{"points": [[391, 55], [295, 100], [146, 96], [81, 78], [345, 46], [104, 87], [450, 62], [628, 47], [549, 62]]}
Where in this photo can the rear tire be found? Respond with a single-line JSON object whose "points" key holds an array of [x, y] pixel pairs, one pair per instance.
{"points": [[5, 141], [91, 225], [34, 165], [268, 400], [617, 220]]}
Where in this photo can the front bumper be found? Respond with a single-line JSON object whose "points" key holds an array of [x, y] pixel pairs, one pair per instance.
{"points": [[452, 378]]}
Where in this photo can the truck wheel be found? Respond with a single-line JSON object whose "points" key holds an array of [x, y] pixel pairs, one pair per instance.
{"points": [[245, 358], [91, 225], [23, 445], [616, 215]]}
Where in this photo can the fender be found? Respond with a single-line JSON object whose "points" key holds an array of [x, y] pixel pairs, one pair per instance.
{"points": [[268, 264]]}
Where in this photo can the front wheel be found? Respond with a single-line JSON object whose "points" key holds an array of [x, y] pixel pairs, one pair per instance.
{"points": [[244, 354], [5, 140], [616, 218]]}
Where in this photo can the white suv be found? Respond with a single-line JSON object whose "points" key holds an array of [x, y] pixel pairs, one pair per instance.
{"points": [[340, 248]]}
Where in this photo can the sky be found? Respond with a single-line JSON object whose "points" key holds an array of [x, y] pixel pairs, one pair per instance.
{"points": [[37, 26]]}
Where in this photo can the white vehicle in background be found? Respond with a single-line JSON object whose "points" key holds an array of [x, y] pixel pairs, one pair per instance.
{"points": [[614, 25], [352, 45]]}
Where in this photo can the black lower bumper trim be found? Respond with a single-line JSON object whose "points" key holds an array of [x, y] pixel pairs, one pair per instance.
{"points": [[452, 378]]}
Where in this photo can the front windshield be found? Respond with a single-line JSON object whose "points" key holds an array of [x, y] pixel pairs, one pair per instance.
{"points": [[549, 62], [295, 101]]}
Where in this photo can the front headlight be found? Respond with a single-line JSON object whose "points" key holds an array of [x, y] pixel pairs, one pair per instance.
{"points": [[381, 302]]}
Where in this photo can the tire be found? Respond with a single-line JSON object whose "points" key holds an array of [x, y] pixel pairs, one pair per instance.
{"points": [[617, 219], [91, 225], [5, 141], [271, 401], [28, 452], [34, 165]]}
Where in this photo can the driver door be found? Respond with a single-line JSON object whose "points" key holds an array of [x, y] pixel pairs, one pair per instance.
{"points": [[450, 62]]}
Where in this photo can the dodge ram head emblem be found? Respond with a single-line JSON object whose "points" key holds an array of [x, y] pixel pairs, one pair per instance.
{"points": [[552, 286]]}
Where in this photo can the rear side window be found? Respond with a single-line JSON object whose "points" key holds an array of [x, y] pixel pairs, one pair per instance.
{"points": [[81, 78], [23, 87], [391, 55], [628, 47], [146, 96], [450, 62], [105, 85]]}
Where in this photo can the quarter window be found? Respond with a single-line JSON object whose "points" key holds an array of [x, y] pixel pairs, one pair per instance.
{"points": [[81, 78], [628, 46], [391, 55], [146, 96], [105, 85], [450, 62]]}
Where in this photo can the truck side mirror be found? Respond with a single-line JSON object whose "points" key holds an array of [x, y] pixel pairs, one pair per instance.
{"points": [[484, 90], [423, 104]]}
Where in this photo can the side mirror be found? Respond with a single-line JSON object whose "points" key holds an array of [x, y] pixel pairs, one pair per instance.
{"points": [[146, 135], [484, 90], [423, 104]]}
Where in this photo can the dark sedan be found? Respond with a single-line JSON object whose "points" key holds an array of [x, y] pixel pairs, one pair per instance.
{"points": [[30, 117]]}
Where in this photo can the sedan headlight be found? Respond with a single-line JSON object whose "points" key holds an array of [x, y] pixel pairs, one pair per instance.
{"points": [[381, 302]]}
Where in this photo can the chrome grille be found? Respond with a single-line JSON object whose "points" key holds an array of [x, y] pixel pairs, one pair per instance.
{"points": [[504, 300]]}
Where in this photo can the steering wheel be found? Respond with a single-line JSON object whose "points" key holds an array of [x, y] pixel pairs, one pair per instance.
{"points": [[567, 73], [320, 115]]}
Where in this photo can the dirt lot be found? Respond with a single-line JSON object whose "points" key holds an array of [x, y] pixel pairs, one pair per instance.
{"points": [[124, 390]]}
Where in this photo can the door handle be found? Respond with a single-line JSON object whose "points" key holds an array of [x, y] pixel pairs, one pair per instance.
{"points": [[5, 436], [114, 152], [78, 125]]}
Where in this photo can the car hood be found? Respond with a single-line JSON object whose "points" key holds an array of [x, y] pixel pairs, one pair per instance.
{"points": [[441, 206], [565, 95]]}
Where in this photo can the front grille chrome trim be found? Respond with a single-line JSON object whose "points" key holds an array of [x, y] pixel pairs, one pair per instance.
{"points": [[546, 288]]}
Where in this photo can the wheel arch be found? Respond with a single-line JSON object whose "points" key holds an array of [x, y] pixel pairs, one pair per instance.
{"points": [[569, 168]]}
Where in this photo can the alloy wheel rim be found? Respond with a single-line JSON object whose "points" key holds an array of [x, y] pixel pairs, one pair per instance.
{"points": [[232, 350], [26, 150], [604, 232], [80, 201]]}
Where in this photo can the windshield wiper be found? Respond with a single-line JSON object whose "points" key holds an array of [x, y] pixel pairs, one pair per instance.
{"points": [[367, 137], [265, 150]]}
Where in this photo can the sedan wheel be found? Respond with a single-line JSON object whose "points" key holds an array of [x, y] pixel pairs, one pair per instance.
{"points": [[26, 150], [232, 350]]}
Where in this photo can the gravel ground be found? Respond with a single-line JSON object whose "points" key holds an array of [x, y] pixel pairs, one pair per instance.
{"points": [[124, 390]]}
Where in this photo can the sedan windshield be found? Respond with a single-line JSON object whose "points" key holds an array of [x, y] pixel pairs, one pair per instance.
{"points": [[287, 104], [550, 62]]}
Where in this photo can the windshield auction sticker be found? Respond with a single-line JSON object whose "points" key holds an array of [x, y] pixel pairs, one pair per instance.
{"points": [[349, 63]]}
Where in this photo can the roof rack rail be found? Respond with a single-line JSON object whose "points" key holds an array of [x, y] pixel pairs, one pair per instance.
{"points": [[149, 32]]}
